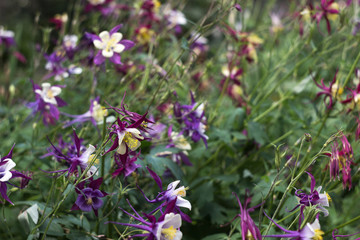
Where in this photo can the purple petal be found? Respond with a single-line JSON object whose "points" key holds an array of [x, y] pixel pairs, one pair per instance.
{"points": [[127, 43], [115, 29], [116, 58], [99, 58], [155, 177]]}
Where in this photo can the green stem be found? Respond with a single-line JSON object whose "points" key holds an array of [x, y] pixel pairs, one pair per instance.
{"points": [[343, 225]]}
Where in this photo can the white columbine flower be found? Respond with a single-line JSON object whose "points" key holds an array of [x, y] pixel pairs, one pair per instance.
{"points": [[180, 192], [109, 43], [311, 231], [48, 93], [70, 41], [168, 229], [5, 173]]}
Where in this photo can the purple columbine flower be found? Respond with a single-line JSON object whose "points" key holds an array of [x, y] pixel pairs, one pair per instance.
{"points": [[69, 44], [169, 195], [95, 115], [309, 232], [56, 69], [47, 102], [110, 45], [165, 228], [6, 37], [125, 164], [314, 198], [89, 198], [6, 174], [127, 138], [81, 158], [248, 228], [193, 117]]}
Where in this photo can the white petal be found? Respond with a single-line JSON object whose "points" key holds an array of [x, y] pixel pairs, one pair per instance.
{"points": [[118, 48], [173, 185], [98, 44], [121, 149], [181, 202], [6, 176], [55, 91], [116, 37], [107, 54], [10, 164], [121, 136], [105, 36], [85, 156]]}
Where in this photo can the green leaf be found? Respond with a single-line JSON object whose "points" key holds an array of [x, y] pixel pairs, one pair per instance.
{"points": [[218, 236], [257, 132]]}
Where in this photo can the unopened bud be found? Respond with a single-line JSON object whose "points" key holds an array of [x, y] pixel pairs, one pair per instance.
{"points": [[308, 137]]}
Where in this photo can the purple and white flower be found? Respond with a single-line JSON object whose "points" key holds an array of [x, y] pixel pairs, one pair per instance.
{"points": [[110, 45], [6, 37]]}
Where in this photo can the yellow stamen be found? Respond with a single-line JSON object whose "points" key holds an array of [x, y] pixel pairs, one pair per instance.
{"points": [[169, 233], [328, 197], [333, 16], [318, 235], [89, 201], [249, 236], [110, 44], [130, 141], [49, 94], [91, 158]]}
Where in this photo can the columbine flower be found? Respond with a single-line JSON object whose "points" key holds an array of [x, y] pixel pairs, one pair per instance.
{"points": [[46, 103], [333, 91], [193, 118], [48, 93], [165, 228], [276, 23], [341, 160], [110, 45], [6, 174], [6, 37], [95, 114], [127, 137], [69, 45], [314, 198], [144, 34], [171, 194], [79, 159], [175, 18], [89, 198], [125, 164], [309, 232], [329, 10], [248, 228]]}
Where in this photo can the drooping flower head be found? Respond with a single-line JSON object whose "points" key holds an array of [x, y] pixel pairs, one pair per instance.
{"points": [[110, 45], [80, 159], [165, 228], [248, 228], [328, 10], [341, 159], [89, 196], [6, 174], [47, 102]]}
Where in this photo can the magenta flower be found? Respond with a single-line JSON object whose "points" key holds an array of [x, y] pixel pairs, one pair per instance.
{"points": [[328, 10], [110, 45], [125, 164], [6, 174], [89, 198], [248, 228], [330, 92], [47, 102], [341, 160], [165, 228]]}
